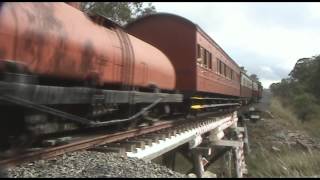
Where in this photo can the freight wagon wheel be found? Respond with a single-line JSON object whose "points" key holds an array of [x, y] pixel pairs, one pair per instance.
{"points": [[14, 134]]}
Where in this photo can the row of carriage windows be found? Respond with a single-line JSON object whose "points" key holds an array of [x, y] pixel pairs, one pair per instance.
{"points": [[245, 81], [204, 59]]}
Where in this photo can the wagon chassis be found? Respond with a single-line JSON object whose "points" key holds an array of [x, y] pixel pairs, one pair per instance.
{"points": [[37, 97], [43, 99], [40, 97]]}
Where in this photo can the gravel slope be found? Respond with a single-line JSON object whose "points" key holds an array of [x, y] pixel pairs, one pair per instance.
{"points": [[92, 164]]}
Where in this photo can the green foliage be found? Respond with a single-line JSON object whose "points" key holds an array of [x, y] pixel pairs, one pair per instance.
{"points": [[304, 106], [285, 116], [301, 90], [254, 77], [120, 12]]}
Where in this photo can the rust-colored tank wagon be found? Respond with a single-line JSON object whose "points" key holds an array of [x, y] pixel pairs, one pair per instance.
{"points": [[59, 41], [200, 63]]}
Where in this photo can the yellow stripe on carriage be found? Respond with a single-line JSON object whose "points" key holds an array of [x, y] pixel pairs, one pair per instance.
{"points": [[196, 97], [196, 107]]}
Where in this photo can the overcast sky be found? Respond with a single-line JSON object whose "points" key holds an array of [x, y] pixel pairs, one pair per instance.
{"points": [[266, 38]]}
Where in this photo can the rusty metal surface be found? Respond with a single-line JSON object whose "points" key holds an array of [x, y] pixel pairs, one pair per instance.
{"points": [[58, 40], [246, 92], [183, 36], [175, 39]]}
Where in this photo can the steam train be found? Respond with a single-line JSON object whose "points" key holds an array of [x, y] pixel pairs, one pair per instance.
{"points": [[62, 69]]}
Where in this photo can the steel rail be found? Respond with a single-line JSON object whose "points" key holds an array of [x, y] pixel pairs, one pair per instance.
{"points": [[83, 144], [96, 140]]}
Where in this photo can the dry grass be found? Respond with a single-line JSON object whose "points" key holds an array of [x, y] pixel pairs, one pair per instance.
{"points": [[312, 128], [288, 162], [285, 116]]}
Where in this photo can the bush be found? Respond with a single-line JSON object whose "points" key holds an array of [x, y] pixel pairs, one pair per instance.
{"points": [[301, 90], [304, 106]]}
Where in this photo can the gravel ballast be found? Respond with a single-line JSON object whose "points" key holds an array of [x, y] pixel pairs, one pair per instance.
{"points": [[92, 164]]}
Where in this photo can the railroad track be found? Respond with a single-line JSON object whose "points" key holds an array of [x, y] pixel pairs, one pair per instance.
{"points": [[125, 142]]}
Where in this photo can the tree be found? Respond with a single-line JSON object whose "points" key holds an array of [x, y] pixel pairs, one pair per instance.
{"points": [[301, 71], [301, 90], [119, 12], [314, 80], [306, 73], [243, 70], [254, 77]]}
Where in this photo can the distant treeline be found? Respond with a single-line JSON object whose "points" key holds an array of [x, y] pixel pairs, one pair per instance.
{"points": [[301, 90]]}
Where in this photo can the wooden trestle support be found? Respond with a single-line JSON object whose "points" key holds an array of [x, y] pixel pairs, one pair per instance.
{"points": [[234, 145]]}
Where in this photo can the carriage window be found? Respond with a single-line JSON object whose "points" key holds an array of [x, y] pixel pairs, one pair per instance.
{"points": [[210, 61], [198, 51], [231, 75], [199, 55], [221, 67], [227, 72], [205, 58], [202, 50]]}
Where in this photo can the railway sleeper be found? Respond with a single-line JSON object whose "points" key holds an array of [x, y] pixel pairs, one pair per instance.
{"points": [[147, 141], [119, 150], [139, 144]]}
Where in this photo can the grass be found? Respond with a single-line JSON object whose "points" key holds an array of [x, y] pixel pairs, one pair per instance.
{"points": [[286, 117], [312, 128], [288, 162]]}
